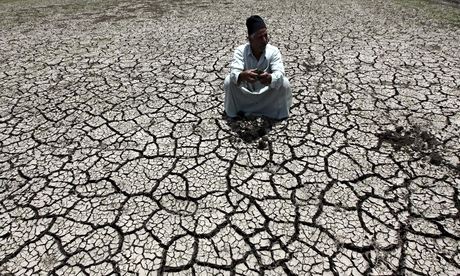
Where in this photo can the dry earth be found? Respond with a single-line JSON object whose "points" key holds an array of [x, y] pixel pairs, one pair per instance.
{"points": [[115, 158]]}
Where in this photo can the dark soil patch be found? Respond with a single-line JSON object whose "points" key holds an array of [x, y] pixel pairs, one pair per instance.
{"points": [[414, 140], [250, 129]]}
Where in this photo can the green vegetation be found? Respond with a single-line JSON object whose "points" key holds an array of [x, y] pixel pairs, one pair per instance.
{"points": [[435, 9]]}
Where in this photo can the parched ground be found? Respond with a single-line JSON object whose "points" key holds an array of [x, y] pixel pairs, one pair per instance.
{"points": [[115, 158]]}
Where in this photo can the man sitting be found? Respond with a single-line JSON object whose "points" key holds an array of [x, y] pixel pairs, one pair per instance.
{"points": [[256, 84]]}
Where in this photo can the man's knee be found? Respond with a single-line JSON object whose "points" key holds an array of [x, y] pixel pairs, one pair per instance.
{"points": [[286, 88], [286, 85], [227, 83]]}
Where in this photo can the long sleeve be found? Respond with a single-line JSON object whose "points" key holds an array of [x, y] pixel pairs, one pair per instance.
{"points": [[237, 65], [277, 67]]}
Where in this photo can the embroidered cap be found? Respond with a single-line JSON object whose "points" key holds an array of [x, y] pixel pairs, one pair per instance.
{"points": [[254, 23]]}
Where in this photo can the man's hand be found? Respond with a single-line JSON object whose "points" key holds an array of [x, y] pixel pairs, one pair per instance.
{"points": [[249, 76], [265, 78]]}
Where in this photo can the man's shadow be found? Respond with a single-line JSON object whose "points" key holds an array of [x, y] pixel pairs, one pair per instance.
{"points": [[250, 128]]}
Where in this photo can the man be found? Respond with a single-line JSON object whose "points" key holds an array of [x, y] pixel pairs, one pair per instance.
{"points": [[256, 84]]}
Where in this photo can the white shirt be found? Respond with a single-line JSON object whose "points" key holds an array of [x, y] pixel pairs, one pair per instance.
{"points": [[270, 61]]}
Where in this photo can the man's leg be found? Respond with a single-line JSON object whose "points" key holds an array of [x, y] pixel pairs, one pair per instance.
{"points": [[230, 101], [274, 103], [286, 99]]}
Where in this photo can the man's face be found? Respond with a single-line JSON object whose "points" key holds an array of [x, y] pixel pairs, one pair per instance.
{"points": [[259, 40]]}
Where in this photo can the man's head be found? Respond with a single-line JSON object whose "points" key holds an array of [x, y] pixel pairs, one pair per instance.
{"points": [[257, 33]]}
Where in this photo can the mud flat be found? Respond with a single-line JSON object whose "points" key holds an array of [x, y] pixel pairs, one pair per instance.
{"points": [[115, 158]]}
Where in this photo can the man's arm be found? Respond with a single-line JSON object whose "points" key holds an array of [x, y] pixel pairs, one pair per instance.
{"points": [[237, 73], [277, 68], [237, 65]]}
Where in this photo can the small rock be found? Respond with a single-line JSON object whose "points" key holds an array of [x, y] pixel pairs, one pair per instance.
{"points": [[247, 136], [425, 136], [435, 159], [261, 132], [262, 145]]}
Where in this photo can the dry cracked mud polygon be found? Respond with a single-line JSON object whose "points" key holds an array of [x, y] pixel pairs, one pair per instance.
{"points": [[115, 158]]}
